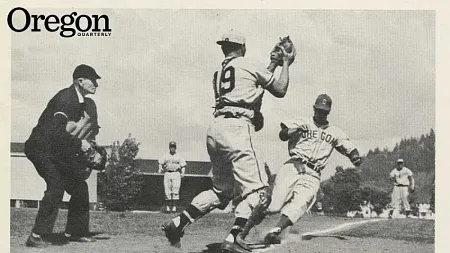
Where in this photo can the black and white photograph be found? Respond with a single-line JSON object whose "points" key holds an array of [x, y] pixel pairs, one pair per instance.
{"points": [[221, 130]]}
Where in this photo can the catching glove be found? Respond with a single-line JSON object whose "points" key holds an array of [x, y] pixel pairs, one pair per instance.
{"points": [[95, 156], [283, 49]]}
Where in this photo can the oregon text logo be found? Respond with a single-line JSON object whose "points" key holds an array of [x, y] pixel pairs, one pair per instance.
{"points": [[69, 25]]}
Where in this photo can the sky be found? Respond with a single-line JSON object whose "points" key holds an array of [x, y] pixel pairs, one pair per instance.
{"points": [[157, 68]]}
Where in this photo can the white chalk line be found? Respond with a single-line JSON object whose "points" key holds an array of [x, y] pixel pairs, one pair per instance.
{"points": [[341, 227], [318, 232]]}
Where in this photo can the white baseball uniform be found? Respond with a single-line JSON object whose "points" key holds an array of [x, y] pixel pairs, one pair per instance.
{"points": [[401, 188], [172, 165], [298, 180], [236, 171]]}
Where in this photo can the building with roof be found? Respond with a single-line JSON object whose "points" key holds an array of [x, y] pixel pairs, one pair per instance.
{"points": [[27, 187]]}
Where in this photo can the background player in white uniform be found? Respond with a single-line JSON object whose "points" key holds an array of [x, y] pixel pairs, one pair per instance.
{"points": [[238, 88], [403, 182], [310, 143], [173, 166]]}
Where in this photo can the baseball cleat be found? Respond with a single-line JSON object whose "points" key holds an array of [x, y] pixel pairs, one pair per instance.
{"points": [[273, 238], [173, 233], [36, 241], [229, 247]]}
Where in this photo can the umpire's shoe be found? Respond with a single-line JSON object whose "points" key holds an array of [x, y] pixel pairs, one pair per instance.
{"points": [[173, 233], [36, 241], [229, 247], [273, 237]]}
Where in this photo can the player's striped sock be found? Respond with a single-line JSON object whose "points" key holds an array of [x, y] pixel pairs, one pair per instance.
{"points": [[188, 216]]}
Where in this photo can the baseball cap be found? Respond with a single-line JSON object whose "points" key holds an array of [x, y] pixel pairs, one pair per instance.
{"points": [[85, 71], [400, 160], [172, 144], [323, 102], [232, 36]]}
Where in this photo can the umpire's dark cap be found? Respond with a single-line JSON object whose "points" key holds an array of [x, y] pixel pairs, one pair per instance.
{"points": [[323, 102], [85, 71]]}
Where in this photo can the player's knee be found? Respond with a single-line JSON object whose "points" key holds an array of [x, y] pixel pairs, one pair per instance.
{"points": [[208, 200]]}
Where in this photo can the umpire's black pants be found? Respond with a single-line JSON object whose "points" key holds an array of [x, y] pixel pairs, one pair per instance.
{"points": [[59, 179]]}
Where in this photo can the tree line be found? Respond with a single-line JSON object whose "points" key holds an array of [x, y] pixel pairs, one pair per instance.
{"points": [[120, 183], [348, 188]]}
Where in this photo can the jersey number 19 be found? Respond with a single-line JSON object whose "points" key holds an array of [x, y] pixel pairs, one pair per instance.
{"points": [[226, 82]]}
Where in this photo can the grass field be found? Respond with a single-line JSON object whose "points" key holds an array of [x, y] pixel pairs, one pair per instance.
{"points": [[140, 232]]}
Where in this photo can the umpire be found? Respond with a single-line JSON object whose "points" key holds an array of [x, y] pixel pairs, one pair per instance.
{"points": [[55, 154]]}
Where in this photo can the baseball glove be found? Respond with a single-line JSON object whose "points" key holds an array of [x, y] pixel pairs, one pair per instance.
{"points": [[95, 156], [277, 55]]}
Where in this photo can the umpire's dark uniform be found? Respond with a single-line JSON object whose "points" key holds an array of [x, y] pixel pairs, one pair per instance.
{"points": [[54, 153]]}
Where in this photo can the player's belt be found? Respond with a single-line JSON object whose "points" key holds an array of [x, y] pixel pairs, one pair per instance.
{"points": [[402, 185], [226, 115], [229, 115], [312, 166], [172, 171], [248, 107]]}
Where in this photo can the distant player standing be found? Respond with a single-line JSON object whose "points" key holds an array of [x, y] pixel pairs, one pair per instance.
{"points": [[310, 143], [173, 166], [238, 87], [403, 183]]}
